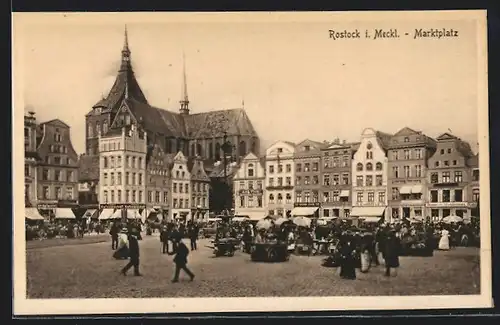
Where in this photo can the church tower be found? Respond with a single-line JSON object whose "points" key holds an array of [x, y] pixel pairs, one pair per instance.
{"points": [[184, 109]]}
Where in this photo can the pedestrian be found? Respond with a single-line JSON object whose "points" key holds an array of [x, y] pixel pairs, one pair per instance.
{"points": [[114, 235], [347, 251], [133, 244], [193, 236], [180, 260], [164, 240], [392, 246]]}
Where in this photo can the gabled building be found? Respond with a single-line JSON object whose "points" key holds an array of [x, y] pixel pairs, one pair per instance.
{"points": [[249, 192], [200, 190], [369, 176], [31, 159], [280, 175], [408, 153], [336, 179], [158, 165], [57, 171], [180, 189], [449, 178], [307, 161], [122, 170]]}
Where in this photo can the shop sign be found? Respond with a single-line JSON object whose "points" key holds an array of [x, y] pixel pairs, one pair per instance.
{"points": [[251, 192], [307, 204]]}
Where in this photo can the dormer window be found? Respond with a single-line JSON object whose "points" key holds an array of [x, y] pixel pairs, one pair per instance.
{"points": [[280, 150], [407, 139], [307, 148]]}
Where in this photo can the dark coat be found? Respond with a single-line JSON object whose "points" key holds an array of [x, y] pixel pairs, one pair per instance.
{"points": [[391, 251], [181, 254], [133, 245]]}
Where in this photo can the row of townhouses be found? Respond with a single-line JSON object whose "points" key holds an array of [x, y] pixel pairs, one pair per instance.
{"points": [[402, 175]]}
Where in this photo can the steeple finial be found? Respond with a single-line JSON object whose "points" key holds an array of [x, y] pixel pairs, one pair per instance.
{"points": [[125, 52], [184, 95], [243, 103], [125, 42]]}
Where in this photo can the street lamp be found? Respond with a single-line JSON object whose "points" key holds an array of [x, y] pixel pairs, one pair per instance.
{"points": [[226, 149]]}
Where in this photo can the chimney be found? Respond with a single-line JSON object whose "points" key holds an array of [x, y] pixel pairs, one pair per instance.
{"points": [[344, 142]]}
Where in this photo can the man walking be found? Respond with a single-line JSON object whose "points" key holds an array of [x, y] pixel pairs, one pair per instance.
{"points": [[180, 260], [133, 252], [114, 235], [193, 236]]}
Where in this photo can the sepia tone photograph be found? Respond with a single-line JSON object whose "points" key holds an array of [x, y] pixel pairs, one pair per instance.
{"points": [[274, 161]]}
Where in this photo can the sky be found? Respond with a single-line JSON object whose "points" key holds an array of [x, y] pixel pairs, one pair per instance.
{"points": [[294, 80]]}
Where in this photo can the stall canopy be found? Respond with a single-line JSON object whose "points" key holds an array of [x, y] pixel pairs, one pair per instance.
{"points": [[406, 189], [370, 219], [254, 215], [364, 212], [240, 219], [91, 213], [416, 189], [344, 193], [304, 211], [133, 214], [106, 214], [33, 214], [65, 213]]}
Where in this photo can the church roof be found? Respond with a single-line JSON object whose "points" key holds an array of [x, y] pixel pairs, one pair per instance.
{"points": [[214, 123]]}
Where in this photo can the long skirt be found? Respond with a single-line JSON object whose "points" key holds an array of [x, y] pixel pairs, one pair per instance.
{"points": [[365, 261], [121, 253], [444, 243], [347, 269]]}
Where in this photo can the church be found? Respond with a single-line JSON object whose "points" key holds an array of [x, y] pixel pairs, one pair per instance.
{"points": [[195, 134]]}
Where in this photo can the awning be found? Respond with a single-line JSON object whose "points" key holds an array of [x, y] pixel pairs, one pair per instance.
{"points": [[133, 214], [65, 213], [367, 212], [253, 215], [304, 211], [106, 214], [370, 219], [416, 189], [240, 219], [405, 189], [90, 213], [32, 214], [344, 193], [117, 214]]}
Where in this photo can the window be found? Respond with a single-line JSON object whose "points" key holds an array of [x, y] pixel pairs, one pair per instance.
{"points": [[298, 180], [271, 181], [406, 154], [435, 214], [359, 180], [271, 169], [250, 185], [371, 196], [58, 193], [395, 171], [458, 196], [407, 139], [280, 198], [165, 197], [112, 179], [345, 179], [259, 201], [186, 188], [175, 188], [112, 162], [105, 194], [69, 176], [378, 166], [175, 203], [157, 196], [45, 193], [57, 160], [315, 196], [475, 195], [407, 171], [271, 198], [105, 182], [475, 175], [307, 167], [446, 195], [454, 162], [369, 155], [446, 163], [58, 175], [250, 170], [395, 155], [381, 197], [45, 174], [345, 161], [442, 151], [418, 171], [134, 198], [326, 180], [434, 178], [298, 167], [26, 170], [434, 196], [369, 180], [458, 177], [139, 163], [90, 131], [150, 196], [359, 197], [418, 153], [140, 179], [335, 161], [326, 196], [288, 198], [315, 167], [369, 167], [133, 178], [336, 179], [298, 196], [359, 167], [127, 178], [335, 196], [280, 181], [449, 150], [307, 148], [326, 213], [446, 177], [307, 180], [280, 168], [288, 168], [307, 196], [112, 196], [242, 201], [326, 162], [288, 181], [119, 196], [395, 193], [259, 185], [181, 203], [378, 180]]}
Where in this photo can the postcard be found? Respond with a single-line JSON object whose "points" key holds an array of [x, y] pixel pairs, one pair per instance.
{"points": [[244, 161]]}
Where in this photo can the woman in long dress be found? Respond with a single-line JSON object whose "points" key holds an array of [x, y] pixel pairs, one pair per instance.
{"points": [[123, 250], [444, 242]]}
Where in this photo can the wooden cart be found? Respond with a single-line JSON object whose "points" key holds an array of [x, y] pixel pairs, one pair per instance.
{"points": [[225, 247], [270, 252]]}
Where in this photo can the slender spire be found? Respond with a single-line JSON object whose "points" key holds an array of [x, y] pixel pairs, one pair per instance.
{"points": [[184, 95], [125, 43], [125, 52]]}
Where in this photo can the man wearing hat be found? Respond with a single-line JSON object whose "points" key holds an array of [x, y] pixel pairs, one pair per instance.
{"points": [[133, 244], [181, 253]]}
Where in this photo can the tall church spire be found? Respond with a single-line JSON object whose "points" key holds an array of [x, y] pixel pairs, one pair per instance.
{"points": [[184, 95], [125, 52]]}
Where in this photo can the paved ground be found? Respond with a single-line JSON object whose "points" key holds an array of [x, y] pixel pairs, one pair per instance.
{"points": [[89, 271]]}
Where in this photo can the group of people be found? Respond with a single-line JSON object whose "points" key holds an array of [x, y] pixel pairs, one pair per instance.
{"points": [[125, 244]]}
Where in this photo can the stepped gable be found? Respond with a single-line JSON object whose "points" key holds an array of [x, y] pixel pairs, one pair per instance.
{"points": [[88, 168], [213, 124]]}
